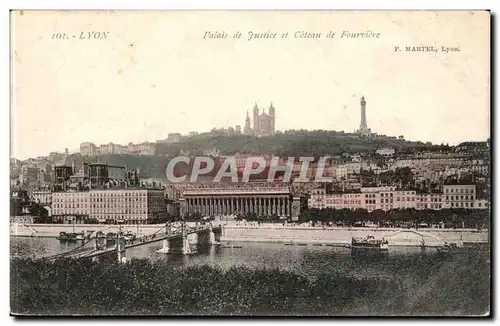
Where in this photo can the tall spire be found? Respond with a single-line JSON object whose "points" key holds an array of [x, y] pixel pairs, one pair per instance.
{"points": [[363, 126]]}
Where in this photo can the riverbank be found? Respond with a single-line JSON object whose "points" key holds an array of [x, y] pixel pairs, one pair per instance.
{"points": [[53, 230], [343, 236], [278, 233]]}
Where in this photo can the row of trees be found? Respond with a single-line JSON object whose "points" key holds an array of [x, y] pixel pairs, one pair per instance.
{"points": [[449, 218], [18, 207], [456, 218]]}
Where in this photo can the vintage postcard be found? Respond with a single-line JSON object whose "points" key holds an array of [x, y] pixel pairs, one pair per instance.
{"points": [[262, 163]]}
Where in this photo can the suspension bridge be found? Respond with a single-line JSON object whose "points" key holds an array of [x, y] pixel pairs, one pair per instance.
{"points": [[175, 241]]}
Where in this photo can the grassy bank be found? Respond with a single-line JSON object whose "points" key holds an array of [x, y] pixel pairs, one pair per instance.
{"points": [[414, 285]]}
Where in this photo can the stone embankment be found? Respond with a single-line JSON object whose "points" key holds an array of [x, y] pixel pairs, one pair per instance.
{"points": [[268, 232], [395, 236], [53, 230]]}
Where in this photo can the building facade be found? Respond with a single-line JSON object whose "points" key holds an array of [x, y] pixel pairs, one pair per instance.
{"points": [[90, 149], [42, 197], [473, 147], [388, 198], [459, 196], [62, 173], [146, 148], [434, 201], [262, 200], [386, 151], [129, 205], [100, 174], [87, 149]]}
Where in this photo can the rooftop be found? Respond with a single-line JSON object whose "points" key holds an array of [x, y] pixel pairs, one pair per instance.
{"points": [[110, 189]]}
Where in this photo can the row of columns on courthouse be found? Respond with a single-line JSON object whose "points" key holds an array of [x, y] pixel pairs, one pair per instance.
{"points": [[280, 206]]}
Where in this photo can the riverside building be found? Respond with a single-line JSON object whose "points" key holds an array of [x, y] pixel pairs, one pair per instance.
{"points": [[459, 196], [369, 198], [129, 205], [388, 198]]}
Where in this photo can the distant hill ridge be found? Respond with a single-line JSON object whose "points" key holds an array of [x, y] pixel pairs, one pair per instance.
{"points": [[298, 143]]}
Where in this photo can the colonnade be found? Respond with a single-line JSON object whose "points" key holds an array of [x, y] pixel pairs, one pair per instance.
{"points": [[265, 205]]}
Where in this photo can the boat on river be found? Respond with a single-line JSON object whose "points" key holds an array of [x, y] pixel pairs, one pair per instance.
{"points": [[71, 236], [66, 237], [369, 244]]}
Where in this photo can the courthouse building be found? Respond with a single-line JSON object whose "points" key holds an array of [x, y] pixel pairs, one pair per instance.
{"points": [[260, 199]]}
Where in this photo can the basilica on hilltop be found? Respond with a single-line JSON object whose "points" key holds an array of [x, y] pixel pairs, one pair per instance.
{"points": [[263, 123]]}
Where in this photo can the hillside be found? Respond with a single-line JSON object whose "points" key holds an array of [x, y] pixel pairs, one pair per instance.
{"points": [[149, 166], [293, 143], [296, 143]]}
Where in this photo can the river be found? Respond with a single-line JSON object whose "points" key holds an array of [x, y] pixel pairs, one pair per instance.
{"points": [[225, 255], [409, 281]]}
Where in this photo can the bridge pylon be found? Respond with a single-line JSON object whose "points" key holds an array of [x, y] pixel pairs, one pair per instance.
{"points": [[176, 244], [211, 239], [121, 252]]}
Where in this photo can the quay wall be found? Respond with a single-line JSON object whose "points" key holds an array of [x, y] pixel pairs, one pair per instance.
{"points": [[53, 230], [396, 237], [280, 233]]}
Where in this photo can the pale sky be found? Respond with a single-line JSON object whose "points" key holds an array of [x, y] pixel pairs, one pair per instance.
{"points": [[155, 74]]}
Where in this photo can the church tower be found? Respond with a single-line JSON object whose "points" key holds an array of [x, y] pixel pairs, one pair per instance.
{"points": [[247, 130], [255, 118], [272, 114]]}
